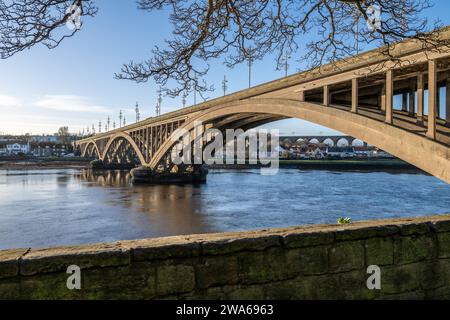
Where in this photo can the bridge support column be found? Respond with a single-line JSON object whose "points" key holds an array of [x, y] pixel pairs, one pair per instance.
{"points": [[383, 97], [438, 101], [301, 96], [326, 95], [197, 174], [420, 97], [412, 100], [355, 94], [432, 97], [389, 95], [405, 101], [447, 103]]}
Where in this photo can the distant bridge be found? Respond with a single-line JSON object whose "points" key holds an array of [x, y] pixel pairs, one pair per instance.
{"points": [[331, 140], [353, 96]]}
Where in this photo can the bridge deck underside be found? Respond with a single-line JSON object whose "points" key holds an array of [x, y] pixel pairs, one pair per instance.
{"points": [[405, 121]]}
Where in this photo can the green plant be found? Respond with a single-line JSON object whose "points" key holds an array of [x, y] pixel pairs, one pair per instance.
{"points": [[345, 220]]}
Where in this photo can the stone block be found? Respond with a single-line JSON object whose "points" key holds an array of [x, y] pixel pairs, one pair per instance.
{"points": [[353, 286], [346, 256], [174, 279], [318, 287], [135, 281], [214, 271], [442, 293], [444, 244], [48, 286], [153, 250], [227, 246], [263, 266], [414, 248], [299, 240], [308, 261], [435, 274], [58, 259], [365, 233], [403, 278], [379, 251], [414, 228]]}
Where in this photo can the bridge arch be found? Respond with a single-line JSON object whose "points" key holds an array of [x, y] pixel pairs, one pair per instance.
{"points": [[91, 146], [342, 142], [425, 154], [357, 143], [329, 142], [122, 135]]}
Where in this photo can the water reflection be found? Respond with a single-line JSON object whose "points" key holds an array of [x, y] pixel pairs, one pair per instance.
{"points": [[172, 209], [105, 178]]}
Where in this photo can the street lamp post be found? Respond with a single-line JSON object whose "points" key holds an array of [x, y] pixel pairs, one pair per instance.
{"points": [[183, 101], [250, 62], [137, 112], [224, 85], [158, 105]]}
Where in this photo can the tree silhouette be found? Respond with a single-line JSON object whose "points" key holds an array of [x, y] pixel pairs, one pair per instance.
{"points": [[225, 30]]}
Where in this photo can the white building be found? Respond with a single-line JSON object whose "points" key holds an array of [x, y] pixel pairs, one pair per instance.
{"points": [[3, 150], [44, 138], [17, 147]]}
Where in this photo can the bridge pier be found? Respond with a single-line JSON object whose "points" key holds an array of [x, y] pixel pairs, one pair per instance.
{"points": [[101, 165], [432, 97], [389, 95], [412, 100], [196, 175], [404, 101], [355, 94], [420, 97]]}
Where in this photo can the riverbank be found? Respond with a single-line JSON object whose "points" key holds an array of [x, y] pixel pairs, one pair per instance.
{"points": [[344, 164], [79, 163], [45, 163]]}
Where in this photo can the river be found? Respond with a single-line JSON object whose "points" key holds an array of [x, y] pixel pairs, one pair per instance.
{"points": [[40, 208]]}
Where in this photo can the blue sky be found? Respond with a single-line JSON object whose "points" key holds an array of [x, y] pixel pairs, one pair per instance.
{"points": [[73, 85]]}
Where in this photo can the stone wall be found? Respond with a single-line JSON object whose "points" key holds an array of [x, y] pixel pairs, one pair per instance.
{"points": [[315, 262]]}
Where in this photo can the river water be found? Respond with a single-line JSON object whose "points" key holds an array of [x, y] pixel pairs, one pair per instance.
{"points": [[41, 208]]}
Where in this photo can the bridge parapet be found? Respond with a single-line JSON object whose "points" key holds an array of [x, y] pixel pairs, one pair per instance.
{"points": [[291, 263]]}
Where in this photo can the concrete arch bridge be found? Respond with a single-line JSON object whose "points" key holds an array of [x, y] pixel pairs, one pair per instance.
{"points": [[355, 97]]}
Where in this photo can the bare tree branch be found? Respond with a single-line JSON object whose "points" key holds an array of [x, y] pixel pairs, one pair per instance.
{"points": [[233, 32], [25, 23], [209, 30]]}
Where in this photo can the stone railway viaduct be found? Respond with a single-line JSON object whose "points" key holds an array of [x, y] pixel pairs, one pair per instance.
{"points": [[353, 96]]}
